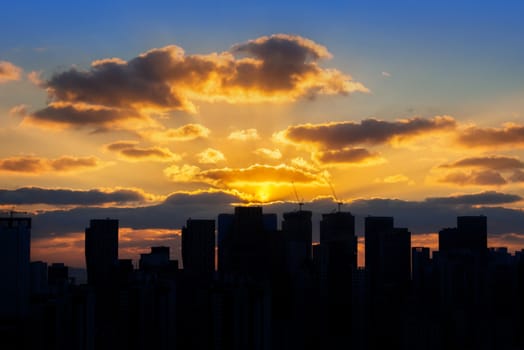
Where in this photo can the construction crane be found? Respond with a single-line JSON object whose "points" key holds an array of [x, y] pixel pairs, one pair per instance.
{"points": [[339, 203], [12, 212], [300, 202]]}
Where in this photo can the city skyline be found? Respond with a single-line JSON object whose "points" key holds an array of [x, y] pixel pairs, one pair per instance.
{"points": [[155, 114]]}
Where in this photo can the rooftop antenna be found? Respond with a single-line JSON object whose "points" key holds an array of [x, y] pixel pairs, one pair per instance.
{"points": [[339, 203], [300, 202]]}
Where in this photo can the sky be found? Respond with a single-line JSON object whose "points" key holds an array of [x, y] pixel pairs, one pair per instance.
{"points": [[156, 112]]}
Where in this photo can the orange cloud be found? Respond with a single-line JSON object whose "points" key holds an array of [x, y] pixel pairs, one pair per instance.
{"points": [[130, 151], [244, 135], [9, 72], [488, 162], [186, 132], [510, 135], [210, 156], [33, 165], [482, 178]]}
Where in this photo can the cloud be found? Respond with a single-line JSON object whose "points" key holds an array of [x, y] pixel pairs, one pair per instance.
{"points": [[9, 72], [34, 165], [244, 135], [517, 176], [491, 162], [35, 195], [336, 135], [35, 77], [61, 116], [510, 135], [386, 74], [269, 153], [254, 174], [350, 156], [259, 174], [210, 156], [130, 151], [186, 132], [277, 68], [393, 179], [419, 216], [482, 178], [185, 173], [482, 198], [18, 110]]}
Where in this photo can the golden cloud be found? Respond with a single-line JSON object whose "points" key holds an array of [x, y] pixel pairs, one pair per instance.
{"points": [[244, 135], [210, 156], [269, 153], [186, 132], [9, 72], [34, 165]]}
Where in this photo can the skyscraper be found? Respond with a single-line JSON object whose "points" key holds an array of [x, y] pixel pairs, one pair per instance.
{"points": [[244, 240], [14, 267], [198, 247], [297, 232], [101, 251]]}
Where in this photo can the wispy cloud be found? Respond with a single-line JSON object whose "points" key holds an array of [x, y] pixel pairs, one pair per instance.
{"points": [[9, 72], [244, 135]]}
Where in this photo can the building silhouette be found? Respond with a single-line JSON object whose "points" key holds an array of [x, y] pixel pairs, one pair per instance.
{"points": [[15, 233], [101, 251], [198, 247]]}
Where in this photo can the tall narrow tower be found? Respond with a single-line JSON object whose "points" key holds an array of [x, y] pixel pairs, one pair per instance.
{"points": [[14, 267], [101, 250]]}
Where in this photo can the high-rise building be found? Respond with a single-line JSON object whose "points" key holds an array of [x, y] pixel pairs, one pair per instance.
{"points": [[15, 272], [198, 247], [469, 235], [338, 260], [388, 253], [297, 232], [243, 241], [101, 251]]}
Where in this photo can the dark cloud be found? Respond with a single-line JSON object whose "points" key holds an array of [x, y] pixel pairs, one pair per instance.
{"points": [[508, 136], [491, 162], [35, 165], [484, 178], [488, 197], [273, 68], [130, 150], [418, 217], [74, 116], [35, 195], [517, 176], [369, 131], [348, 156]]}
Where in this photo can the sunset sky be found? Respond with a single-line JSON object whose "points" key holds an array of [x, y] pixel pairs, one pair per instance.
{"points": [[154, 112]]}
